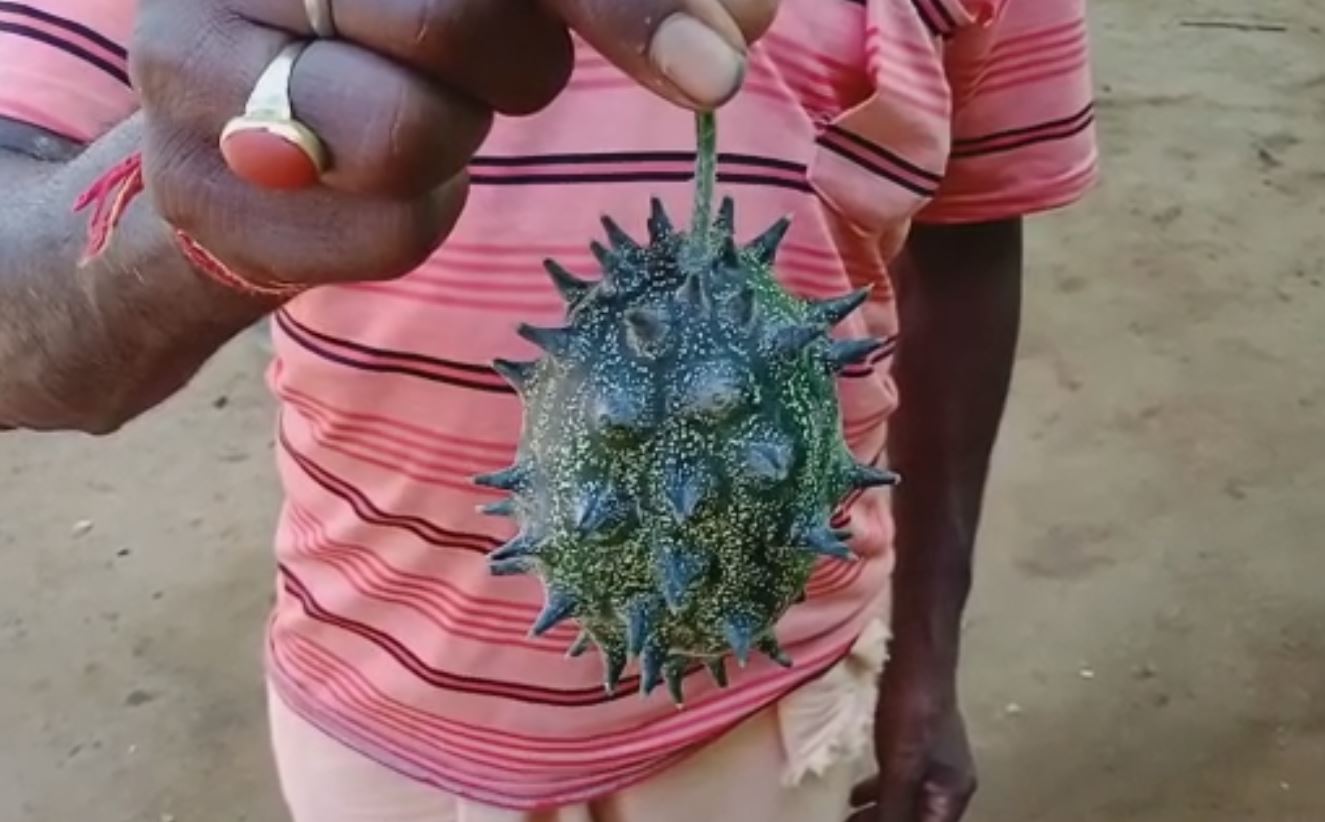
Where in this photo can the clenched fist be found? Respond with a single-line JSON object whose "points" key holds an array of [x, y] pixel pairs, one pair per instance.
{"points": [[401, 99]]}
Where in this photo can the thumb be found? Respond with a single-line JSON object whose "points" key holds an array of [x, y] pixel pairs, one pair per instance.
{"points": [[693, 52]]}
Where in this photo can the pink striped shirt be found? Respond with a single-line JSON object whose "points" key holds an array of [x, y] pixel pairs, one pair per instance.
{"points": [[389, 633]]}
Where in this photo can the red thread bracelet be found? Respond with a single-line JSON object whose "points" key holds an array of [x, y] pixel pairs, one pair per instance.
{"points": [[110, 196], [217, 271]]}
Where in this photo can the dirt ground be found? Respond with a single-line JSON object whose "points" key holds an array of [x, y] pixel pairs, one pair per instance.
{"points": [[1148, 638]]}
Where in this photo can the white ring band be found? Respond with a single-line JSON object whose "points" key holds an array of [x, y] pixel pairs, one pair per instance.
{"points": [[320, 17]]}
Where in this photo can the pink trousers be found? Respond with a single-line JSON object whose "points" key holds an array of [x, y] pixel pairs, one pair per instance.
{"points": [[793, 762]]}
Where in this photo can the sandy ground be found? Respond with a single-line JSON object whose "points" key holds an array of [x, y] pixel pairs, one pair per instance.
{"points": [[1147, 638]]}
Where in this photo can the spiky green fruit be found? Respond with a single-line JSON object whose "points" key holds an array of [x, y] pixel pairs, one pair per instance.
{"points": [[682, 451]]}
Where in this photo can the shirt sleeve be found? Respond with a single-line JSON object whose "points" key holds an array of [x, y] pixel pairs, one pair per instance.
{"points": [[64, 65], [883, 160], [1023, 124]]}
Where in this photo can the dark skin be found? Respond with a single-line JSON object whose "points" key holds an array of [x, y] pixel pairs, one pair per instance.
{"points": [[960, 305], [88, 349]]}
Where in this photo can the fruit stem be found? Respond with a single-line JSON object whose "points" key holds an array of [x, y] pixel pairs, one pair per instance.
{"points": [[706, 129]]}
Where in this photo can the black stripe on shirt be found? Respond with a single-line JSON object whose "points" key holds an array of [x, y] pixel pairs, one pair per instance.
{"points": [[70, 48], [946, 14], [23, 10], [517, 691], [935, 26], [971, 142], [686, 158], [304, 338], [370, 513], [734, 178], [1046, 136], [577, 169], [871, 166], [880, 151]]}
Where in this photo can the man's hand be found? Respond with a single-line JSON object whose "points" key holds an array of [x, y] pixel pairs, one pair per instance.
{"points": [[402, 98], [959, 300], [926, 770]]}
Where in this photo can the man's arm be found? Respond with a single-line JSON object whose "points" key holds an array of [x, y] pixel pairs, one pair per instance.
{"points": [[960, 304], [90, 348]]}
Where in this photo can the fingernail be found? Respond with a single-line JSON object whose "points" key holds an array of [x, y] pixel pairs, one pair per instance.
{"points": [[704, 66]]}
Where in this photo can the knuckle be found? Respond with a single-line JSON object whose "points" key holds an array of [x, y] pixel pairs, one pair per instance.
{"points": [[153, 62], [169, 48], [188, 66], [402, 137]]}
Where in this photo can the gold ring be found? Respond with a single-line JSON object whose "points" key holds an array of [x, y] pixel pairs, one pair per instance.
{"points": [[267, 145]]}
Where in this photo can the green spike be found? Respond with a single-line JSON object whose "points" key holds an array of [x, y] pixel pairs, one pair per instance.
{"points": [[614, 664], [500, 508], [621, 241], [560, 607], [518, 374], [684, 491], [646, 330], [507, 479], [713, 393], [827, 542], [591, 513], [718, 670], [694, 291], [867, 476], [522, 545], [582, 643], [793, 339], [651, 668], [678, 569], [726, 221], [674, 673], [600, 513], [660, 225], [730, 255], [844, 353], [765, 247], [571, 287], [834, 311], [559, 342], [770, 648], [639, 626], [617, 412], [741, 308], [603, 255], [511, 567], [740, 638], [770, 462]]}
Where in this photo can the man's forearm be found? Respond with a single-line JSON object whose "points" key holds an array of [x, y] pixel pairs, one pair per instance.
{"points": [[960, 300], [89, 348]]}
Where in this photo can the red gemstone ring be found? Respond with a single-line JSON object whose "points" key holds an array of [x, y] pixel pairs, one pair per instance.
{"points": [[266, 145]]}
